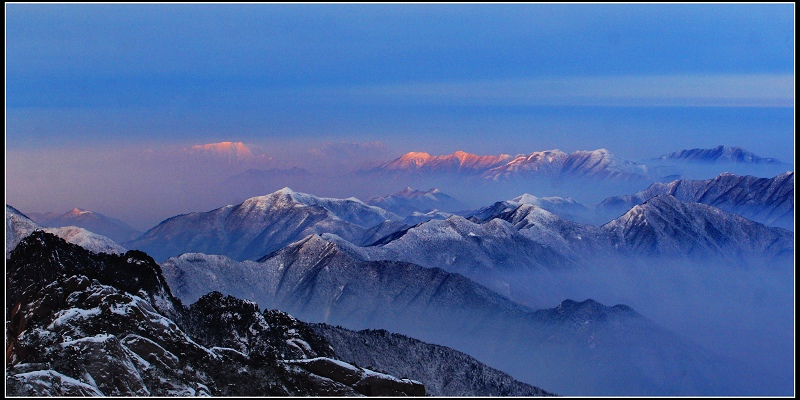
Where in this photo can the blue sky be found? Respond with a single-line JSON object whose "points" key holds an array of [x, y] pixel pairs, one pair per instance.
{"points": [[641, 80], [200, 73]]}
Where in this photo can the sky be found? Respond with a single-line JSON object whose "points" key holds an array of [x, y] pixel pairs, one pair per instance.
{"points": [[102, 100]]}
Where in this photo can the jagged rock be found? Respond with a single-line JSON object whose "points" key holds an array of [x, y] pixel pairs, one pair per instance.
{"points": [[364, 381], [80, 323]]}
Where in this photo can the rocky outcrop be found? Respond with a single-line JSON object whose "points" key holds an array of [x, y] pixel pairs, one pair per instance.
{"points": [[364, 381], [85, 324]]}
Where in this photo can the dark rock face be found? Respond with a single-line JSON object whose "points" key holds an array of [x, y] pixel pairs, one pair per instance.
{"points": [[42, 258], [83, 324]]}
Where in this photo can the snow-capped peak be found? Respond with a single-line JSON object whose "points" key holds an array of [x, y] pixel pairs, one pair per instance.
{"points": [[231, 149], [77, 211]]}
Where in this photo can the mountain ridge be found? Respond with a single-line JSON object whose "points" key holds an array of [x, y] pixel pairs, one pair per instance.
{"points": [[260, 225], [100, 224]]}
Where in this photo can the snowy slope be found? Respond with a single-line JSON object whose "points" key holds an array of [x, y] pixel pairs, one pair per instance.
{"points": [[88, 240], [95, 222], [602, 164], [261, 225], [321, 281], [549, 164], [19, 226], [599, 164], [566, 208], [409, 201], [719, 154], [769, 201], [445, 372], [87, 324], [520, 250], [417, 217], [458, 162], [485, 252], [663, 225]]}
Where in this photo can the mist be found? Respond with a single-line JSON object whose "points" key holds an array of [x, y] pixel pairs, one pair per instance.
{"points": [[745, 312], [145, 185]]}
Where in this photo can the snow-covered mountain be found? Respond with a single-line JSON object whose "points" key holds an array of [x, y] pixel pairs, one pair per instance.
{"points": [[520, 250], [769, 201], [458, 162], [322, 281], [417, 217], [228, 151], [409, 201], [664, 225], [719, 154], [445, 372], [485, 252], [291, 276], [18, 226], [261, 225], [603, 165], [98, 223], [549, 164], [79, 323], [566, 208]]}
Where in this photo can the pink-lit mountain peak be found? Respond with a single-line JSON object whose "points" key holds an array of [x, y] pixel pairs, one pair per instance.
{"points": [[233, 150], [77, 211], [459, 159], [413, 158]]}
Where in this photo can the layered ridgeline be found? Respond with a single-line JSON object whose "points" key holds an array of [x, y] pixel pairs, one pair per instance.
{"points": [[769, 201], [112, 228], [320, 280], [704, 163], [719, 154], [18, 226], [264, 224], [445, 372], [496, 246], [663, 250], [409, 201], [766, 200], [503, 246], [80, 323], [547, 164], [103, 325]]}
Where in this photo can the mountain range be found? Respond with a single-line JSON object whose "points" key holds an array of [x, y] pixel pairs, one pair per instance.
{"points": [[446, 372], [18, 226], [112, 228], [261, 225], [549, 164], [692, 257], [719, 154], [769, 201], [321, 281], [408, 201], [86, 324], [264, 224]]}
